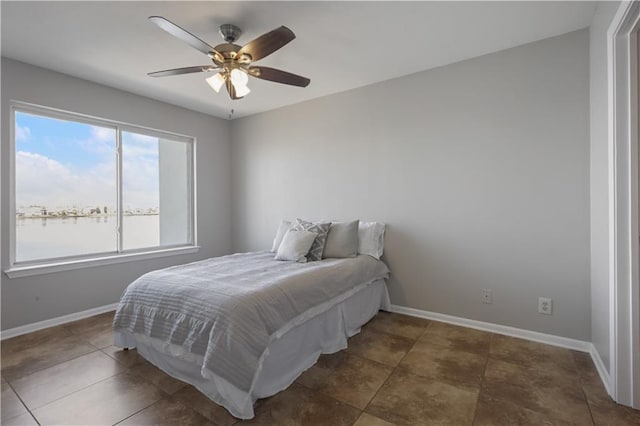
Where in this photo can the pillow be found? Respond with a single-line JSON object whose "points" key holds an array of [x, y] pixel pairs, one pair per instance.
{"points": [[295, 245], [321, 229], [284, 226], [371, 238], [342, 240]]}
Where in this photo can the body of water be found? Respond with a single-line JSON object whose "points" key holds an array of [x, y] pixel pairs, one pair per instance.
{"points": [[44, 238]]}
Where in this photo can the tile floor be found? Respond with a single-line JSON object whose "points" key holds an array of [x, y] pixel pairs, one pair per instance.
{"points": [[399, 370]]}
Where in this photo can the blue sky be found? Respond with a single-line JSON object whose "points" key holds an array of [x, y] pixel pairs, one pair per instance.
{"points": [[62, 163], [61, 140]]}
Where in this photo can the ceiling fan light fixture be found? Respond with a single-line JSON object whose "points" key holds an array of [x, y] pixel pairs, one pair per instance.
{"points": [[239, 78], [216, 81], [242, 91]]}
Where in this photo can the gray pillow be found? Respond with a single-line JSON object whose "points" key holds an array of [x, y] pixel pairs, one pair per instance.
{"points": [[282, 229], [295, 245], [342, 240], [321, 229]]}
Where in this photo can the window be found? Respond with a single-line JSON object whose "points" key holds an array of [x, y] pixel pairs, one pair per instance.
{"points": [[89, 188]]}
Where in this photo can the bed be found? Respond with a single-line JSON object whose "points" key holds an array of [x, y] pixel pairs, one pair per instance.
{"points": [[245, 326]]}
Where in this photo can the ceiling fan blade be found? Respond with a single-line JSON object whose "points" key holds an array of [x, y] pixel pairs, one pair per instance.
{"points": [[279, 76], [185, 36], [231, 90], [267, 43], [185, 70]]}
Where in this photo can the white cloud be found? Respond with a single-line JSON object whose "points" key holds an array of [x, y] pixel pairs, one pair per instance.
{"points": [[102, 141], [43, 181], [140, 182], [22, 133], [139, 150], [103, 133], [140, 171], [142, 138]]}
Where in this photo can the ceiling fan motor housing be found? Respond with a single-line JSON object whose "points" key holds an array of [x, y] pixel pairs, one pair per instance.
{"points": [[229, 32]]}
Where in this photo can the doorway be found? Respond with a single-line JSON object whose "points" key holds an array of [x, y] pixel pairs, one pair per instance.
{"points": [[624, 109]]}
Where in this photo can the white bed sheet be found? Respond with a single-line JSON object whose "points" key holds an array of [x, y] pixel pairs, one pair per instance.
{"points": [[286, 357]]}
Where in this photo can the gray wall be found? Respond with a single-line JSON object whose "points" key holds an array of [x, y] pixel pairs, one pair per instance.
{"points": [[599, 180], [480, 169], [30, 299]]}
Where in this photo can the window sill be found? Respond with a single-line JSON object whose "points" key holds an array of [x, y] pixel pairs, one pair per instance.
{"points": [[68, 265]]}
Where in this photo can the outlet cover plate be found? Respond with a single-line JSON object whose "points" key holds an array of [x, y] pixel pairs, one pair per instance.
{"points": [[486, 296], [545, 305]]}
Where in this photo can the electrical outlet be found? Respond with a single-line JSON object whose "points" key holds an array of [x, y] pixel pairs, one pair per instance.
{"points": [[544, 305], [486, 296]]}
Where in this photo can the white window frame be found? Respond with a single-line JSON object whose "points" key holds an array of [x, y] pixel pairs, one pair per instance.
{"points": [[43, 266]]}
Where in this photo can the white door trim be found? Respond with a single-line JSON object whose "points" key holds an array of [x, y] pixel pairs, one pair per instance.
{"points": [[623, 205]]}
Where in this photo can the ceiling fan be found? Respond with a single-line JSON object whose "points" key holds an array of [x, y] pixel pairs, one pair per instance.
{"points": [[233, 62]]}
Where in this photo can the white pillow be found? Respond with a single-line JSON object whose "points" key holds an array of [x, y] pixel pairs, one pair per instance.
{"points": [[371, 238], [342, 240], [295, 245], [282, 229]]}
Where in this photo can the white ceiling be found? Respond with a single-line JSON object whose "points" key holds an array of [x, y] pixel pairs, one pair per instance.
{"points": [[339, 45]]}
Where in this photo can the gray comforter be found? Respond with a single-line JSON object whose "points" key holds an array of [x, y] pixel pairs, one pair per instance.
{"points": [[226, 309]]}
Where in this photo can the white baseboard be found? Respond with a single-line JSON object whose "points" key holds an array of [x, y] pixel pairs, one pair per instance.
{"points": [[602, 371], [29, 328], [549, 339]]}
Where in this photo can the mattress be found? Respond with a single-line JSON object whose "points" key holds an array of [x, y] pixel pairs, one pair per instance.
{"points": [[223, 314]]}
